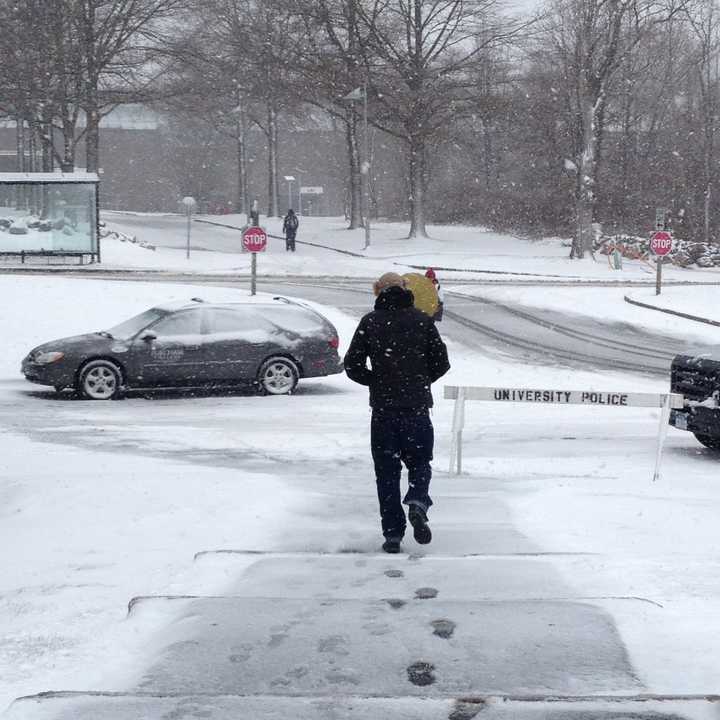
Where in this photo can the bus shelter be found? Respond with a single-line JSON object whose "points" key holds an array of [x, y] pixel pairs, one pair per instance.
{"points": [[49, 215]]}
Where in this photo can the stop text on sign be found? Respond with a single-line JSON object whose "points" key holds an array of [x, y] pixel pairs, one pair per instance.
{"points": [[254, 239], [661, 243]]}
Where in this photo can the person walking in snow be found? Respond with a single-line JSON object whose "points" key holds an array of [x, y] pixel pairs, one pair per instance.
{"points": [[406, 356], [430, 274], [290, 226]]}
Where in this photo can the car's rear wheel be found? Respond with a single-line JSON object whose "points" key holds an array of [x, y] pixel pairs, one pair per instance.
{"points": [[278, 376], [709, 441], [100, 380]]}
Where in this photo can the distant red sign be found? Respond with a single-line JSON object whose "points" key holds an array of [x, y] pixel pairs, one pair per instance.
{"points": [[661, 242], [254, 239]]}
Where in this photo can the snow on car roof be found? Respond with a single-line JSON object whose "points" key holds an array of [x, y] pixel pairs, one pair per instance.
{"points": [[262, 300]]}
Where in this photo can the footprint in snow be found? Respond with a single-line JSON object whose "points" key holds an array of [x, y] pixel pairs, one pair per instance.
{"points": [[443, 628], [425, 593], [421, 673]]}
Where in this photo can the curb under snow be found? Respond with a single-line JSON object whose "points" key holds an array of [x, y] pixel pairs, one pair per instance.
{"points": [[677, 313]]}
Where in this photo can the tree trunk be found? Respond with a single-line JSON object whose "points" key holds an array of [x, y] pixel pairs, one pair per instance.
{"points": [[418, 182], [33, 197], [351, 127], [92, 139], [21, 166], [487, 154], [68, 132], [273, 184], [48, 160], [708, 196], [242, 178], [586, 198], [708, 155]]}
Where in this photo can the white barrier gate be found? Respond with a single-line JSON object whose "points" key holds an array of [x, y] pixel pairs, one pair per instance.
{"points": [[595, 398]]}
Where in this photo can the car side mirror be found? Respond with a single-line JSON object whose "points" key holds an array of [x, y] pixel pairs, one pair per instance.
{"points": [[148, 337]]}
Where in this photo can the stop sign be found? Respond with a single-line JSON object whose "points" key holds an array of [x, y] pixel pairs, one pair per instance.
{"points": [[661, 242], [254, 239]]}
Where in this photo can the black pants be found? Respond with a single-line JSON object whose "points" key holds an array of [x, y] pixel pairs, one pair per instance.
{"points": [[290, 241], [401, 436]]}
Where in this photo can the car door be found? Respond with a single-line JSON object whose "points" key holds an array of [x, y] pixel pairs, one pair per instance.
{"points": [[238, 339], [171, 351]]}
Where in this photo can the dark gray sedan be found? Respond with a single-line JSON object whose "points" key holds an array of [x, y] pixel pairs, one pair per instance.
{"points": [[272, 344]]}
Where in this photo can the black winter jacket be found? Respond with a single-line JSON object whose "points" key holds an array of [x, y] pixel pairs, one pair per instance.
{"points": [[406, 353], [290, 224]]}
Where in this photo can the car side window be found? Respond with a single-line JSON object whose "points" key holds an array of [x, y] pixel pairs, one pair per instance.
{"points": [[240, 322], [295, 319], [183, 323]]}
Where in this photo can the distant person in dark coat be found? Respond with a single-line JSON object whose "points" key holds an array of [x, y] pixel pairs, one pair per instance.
{"points": [[290, 226], [406, 356]]}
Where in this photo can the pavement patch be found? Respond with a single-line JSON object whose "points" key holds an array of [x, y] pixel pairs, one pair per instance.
{"points": [[111, 706], [516, 646]]}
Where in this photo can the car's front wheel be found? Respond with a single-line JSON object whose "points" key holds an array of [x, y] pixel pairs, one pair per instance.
{"points": [[100, 380], [278, 376]]}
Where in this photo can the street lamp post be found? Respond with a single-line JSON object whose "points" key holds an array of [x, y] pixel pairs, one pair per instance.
{"points": [[189, 205], [290, 179]]}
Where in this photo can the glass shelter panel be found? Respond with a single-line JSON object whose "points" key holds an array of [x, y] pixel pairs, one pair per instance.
{"points": [[55, 217]]}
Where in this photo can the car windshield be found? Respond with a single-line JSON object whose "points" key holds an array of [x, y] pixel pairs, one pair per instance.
{"points": [[126, 330]]}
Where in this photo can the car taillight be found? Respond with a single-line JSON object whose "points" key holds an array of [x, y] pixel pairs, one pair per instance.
{"points": [[334, 342]]}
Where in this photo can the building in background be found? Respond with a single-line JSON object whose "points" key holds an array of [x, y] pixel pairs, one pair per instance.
{"points": [[151, 159]]}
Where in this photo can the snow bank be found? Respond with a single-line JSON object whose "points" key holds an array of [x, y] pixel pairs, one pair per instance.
{"points": [[700, 301], [608, 305], [461, 249]]}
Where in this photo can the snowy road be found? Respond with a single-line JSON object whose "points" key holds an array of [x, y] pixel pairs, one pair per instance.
{"points": [[520, 334]]}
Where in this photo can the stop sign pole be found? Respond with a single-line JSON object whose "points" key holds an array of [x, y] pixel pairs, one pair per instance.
{"points": [[254, 241], [660, 245]]}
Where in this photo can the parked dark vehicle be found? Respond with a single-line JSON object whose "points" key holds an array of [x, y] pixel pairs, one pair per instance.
{"points": [[272, 344], [698, 379]]}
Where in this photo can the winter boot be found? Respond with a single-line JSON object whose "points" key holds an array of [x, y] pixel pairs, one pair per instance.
{"points": [[418, 519], [391, 545]]}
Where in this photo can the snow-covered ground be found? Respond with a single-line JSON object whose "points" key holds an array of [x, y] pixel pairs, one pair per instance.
{"points": [[462, 248], [608, 304], [105, 501], [703, 301]]}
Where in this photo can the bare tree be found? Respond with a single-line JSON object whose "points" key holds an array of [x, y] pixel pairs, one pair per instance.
{"points": [[589, 40], [703, 20], [328, 67], [419, 58], [41, 85], [249, 51], [119, 44]]}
